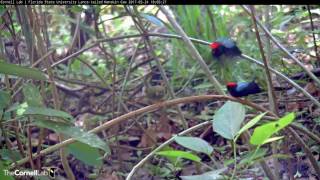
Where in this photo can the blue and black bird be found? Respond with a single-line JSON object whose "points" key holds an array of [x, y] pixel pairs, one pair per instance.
{"points": [[243, 88], [226, 47]]}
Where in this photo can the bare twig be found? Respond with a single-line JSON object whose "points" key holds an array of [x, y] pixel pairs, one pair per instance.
{"points": [[192, 49], [271, 92], [306, 149], [146, 158], [294, 84], [160, 67], [314, 36], [317, 80]]}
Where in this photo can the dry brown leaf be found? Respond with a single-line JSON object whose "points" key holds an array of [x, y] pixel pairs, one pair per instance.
{"points": [[146, 140], [164, 128]]}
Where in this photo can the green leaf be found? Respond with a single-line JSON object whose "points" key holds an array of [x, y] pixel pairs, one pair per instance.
{"points": [[182, 154], [195, 144], [21, 71], [29, 110], [85, 153], [2, 172], [2, 10], [85, 137], [251, 123], [152, 18], [228, 119], [264, 132], [4, 99], [211, 175], [32, 95], [76, 9]]}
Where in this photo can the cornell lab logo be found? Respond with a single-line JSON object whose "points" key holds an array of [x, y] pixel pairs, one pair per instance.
{"points": [[51, 171]]}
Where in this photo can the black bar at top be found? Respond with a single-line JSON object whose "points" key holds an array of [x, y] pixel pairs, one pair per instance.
{"points": [[148, 2]]}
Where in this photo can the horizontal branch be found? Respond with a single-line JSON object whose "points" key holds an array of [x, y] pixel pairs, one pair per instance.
{"points": [[146, 109]]}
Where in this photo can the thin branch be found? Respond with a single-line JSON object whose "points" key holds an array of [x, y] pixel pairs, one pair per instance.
{"points": [[271, 92], [160, 67], [314, 36], [284, 49], [169, 141], [192, 49], [126, 77], [294, 84], [306, 149]]}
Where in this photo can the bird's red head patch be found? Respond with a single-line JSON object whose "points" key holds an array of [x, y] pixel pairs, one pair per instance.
{"points": [[215, 45], [231, 84]]}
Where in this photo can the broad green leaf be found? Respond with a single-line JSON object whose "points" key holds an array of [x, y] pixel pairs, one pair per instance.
{"points": [[29, 110], [182, 154], [21, 71], [211, 175], [228, 119], [153, 19], [85, 137], [85, 153], [264, 132], [195, 144], [4, 99], [32, 95], [251, 123]]}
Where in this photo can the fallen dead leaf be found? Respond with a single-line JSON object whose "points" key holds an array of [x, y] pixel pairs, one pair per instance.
{"points": [[146, 140]]}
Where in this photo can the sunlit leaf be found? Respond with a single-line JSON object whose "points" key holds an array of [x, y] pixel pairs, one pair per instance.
{"points": [[264, 132], [182, 154], [251, 123]]}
